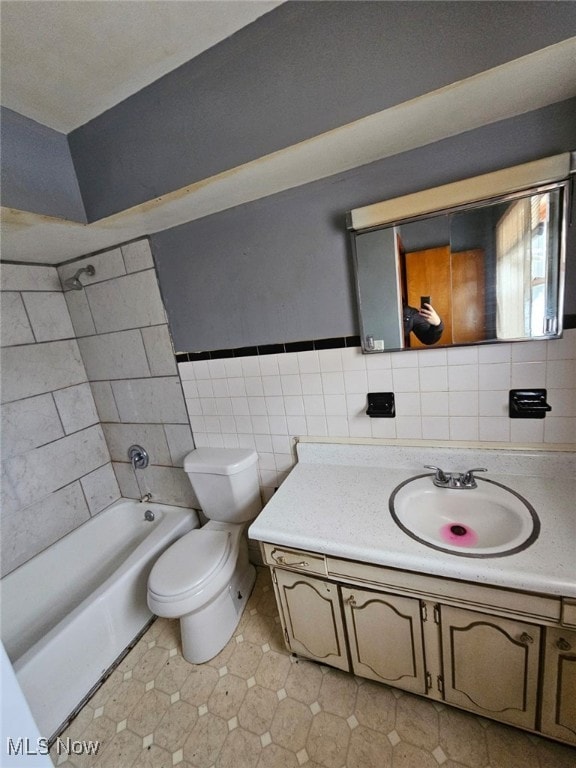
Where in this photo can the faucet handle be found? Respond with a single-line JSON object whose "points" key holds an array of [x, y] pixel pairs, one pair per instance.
{"points": [[440, 474], [468, 477]]}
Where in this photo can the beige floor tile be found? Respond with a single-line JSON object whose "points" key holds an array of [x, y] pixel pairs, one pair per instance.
{"points": [[256, 706]]}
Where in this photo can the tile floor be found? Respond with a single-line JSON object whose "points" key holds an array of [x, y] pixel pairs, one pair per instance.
{"points": [[255, 706]]}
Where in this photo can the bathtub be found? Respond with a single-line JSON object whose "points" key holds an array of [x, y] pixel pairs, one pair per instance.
{"points": [[68, 613]]}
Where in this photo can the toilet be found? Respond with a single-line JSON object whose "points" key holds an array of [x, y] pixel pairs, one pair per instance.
{"points": [[205, 578]]}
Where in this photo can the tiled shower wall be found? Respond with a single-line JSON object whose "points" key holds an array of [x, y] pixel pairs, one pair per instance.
{"points": [[443, 395], [56, 469], [123, 337]]}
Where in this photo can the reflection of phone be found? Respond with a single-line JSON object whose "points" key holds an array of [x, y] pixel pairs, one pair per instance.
{"points": [[424, 300]]}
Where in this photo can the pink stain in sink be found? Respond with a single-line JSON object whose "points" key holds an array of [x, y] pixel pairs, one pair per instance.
{"points": [[458, 534]]}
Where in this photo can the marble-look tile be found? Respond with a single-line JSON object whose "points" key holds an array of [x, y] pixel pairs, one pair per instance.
{"points": [[158, 345], [104, 401], [39, 368], [114, 356], [132, 301], [107, 265], [126, 480], [34, 528], [80, 314], [49, 315], [100, 488], [76, 407], [137, 255], [158, 400], [180, 442], [28, 423], [168, 485], [40, 472], [14, 324], [119, 438], [25, 277]]}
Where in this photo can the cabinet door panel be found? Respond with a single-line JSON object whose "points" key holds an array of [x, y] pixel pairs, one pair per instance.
{"points": [[385, 638], [559, 686], [490, 665], [312, 617]]}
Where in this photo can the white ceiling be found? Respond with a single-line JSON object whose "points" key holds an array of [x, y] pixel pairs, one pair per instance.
{"points": [[65, 62]]}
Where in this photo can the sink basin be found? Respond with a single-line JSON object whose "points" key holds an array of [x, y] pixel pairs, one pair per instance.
{"points": [[488, 521]]}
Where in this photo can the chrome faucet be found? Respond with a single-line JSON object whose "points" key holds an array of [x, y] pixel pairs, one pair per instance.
{"points": [[456, 480], [146, 498]]}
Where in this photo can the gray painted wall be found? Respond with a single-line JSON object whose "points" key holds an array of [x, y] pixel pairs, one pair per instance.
{"points": [[37, 170], [280, 269], [298, 71]]}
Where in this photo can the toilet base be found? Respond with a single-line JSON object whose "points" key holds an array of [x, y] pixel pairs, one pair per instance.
{"points": [[206, 631]]}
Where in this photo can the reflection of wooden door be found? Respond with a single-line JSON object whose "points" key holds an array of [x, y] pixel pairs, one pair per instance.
{"points": [[428, 274], [455, 283], [468, 300]]}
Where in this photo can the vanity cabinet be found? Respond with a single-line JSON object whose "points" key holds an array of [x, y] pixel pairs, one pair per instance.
{"points": [[311, 616], [559, 684], [385, 636], [490, 665], [494, 652]]}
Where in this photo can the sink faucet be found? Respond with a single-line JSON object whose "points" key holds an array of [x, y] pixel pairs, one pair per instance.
{"points": [[455, 480]]}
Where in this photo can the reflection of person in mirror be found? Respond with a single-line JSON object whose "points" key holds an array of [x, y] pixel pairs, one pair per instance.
{"points": [[425, 323]]}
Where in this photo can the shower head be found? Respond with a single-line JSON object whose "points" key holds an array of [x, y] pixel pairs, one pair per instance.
{"points": [[73, 283]]}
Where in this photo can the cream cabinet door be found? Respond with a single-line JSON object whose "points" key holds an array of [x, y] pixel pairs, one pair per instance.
{"points": [[312, 617], [559, 685], [490, 665], [385, 638]]}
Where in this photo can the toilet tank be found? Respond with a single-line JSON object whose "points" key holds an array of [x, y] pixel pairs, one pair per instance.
{"points": [[225, 481]]}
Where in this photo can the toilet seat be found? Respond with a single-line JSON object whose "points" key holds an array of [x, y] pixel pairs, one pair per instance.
{"points": [[189, 571]]}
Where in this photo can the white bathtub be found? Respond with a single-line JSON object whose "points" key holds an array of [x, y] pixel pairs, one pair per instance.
{"points": [[68, 613]]}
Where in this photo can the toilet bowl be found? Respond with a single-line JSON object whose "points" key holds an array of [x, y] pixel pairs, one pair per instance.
{"points": [[206, 579]]}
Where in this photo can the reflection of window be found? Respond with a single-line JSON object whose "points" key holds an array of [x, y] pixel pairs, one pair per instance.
{"points": [[523, 251]]}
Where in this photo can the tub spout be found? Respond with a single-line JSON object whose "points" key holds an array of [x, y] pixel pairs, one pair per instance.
{"points": [[146, 498]]}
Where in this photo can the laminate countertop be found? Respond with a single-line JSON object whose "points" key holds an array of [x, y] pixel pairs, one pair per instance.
{"points": [[336, 502]]}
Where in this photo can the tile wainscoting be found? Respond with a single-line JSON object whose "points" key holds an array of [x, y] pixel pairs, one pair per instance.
{"points": [[445, 395]]}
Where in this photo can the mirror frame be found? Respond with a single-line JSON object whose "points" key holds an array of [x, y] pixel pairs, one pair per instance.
{"points": [[506, 184]]}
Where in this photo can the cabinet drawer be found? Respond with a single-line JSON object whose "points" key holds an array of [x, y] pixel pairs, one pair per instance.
{"points": [[293, 559], [569, 612]]}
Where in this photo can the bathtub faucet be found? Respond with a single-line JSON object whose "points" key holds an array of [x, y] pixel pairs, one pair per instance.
{"points": [[146, 498]]}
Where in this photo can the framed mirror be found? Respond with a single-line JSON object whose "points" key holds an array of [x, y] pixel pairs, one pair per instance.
{"points": [[472, 271]]}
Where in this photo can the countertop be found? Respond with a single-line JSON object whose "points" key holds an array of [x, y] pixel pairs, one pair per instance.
{"points": [[335, 502]]}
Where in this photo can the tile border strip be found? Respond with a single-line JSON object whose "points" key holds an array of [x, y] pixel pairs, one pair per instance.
{"points": [[270, 349]]}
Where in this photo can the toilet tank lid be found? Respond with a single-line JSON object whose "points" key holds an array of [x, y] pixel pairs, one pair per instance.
{"points": [[219, 461]]}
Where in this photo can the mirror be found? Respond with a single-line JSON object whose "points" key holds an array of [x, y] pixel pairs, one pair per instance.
{"points": [[476, 273]]}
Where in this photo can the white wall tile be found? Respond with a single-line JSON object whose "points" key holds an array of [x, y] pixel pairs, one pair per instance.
{"points": [[435, 428], [76, 407], [559, 430], [464, 428], [493, 403], [30, 530], [104, 401], [114, 356], [132, 301], [333, 383], [494, 429], [434, 378], [269, 365], [36, 474], [314, 405], [25, 277], [527, 430], [355, 381], [466, 403], [250, 366], [383, 428], [80, 314], [275, 406], [107, 265], [330, 360], [561, 374], [150, 400], [137, 256], [308, 362], [462, 356], [126, 480], [39, 368], [254, 387], [14, 325], [353, 359], [380, 380], [49, 315], [288, 364], [409, 427], [186, 371], [434, 403], [317, 426], [337, 426], [564, 348], [159, 352], [271, 385], [100, 488], [494, 376], [407, 404], [180, 442], [119, 438], [291, 384], [29, 423], [169, 484], [311, 383], [335, 405], [528, 374], [529, 351], [406, 379], [462, 377], [495, 353]]}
